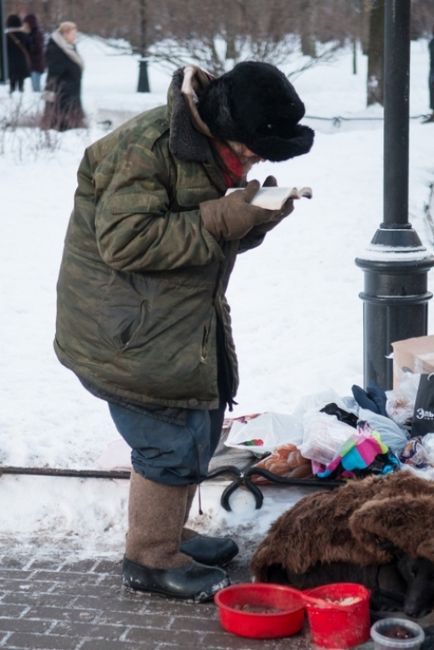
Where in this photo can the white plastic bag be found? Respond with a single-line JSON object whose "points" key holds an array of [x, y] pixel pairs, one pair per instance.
{"points": [[428, 445], [323, 436], [400, 401], [271, 429]]}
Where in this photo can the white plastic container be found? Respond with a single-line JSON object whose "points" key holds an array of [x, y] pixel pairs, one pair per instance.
{"points": [[384, 641]]}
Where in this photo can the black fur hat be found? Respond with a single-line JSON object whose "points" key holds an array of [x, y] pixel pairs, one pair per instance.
{"points": [[13, 21], [256, 105]]}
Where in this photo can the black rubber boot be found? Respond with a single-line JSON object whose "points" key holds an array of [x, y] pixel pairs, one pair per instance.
{"points": [[203, 548], [210, 550], [191, 581]]}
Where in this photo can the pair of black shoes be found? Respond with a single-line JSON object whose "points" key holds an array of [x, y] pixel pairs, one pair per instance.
{"points": [[198, 580]]}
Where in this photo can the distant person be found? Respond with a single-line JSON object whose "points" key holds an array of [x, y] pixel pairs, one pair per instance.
{"points": [[63, 108], [431, 78], [142, 316], [35, 44], [18, 54]]}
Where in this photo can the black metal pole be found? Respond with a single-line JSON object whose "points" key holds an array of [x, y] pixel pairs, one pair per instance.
{"points": [[396, 263], [3, 51], [143, 84]]}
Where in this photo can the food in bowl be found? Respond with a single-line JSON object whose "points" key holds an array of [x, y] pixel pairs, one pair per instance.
{"points": [[260, 610]]}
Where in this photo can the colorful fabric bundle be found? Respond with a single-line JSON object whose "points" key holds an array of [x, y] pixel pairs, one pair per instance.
{"points": [[363, 453]]}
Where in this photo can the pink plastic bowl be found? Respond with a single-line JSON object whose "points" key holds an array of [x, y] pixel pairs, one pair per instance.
{"points": [[339, 626], [240, 610]]}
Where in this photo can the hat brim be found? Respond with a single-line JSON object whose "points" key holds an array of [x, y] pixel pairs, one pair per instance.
{"points": [[277, 149]]}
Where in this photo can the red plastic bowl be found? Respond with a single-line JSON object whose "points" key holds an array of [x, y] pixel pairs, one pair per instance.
{"points": [[339, 626], [240, 610]]}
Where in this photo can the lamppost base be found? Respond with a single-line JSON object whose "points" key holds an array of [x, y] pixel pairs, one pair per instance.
{"points": [[395, 300]]}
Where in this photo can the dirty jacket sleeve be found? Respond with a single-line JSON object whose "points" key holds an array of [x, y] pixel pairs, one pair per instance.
{"points": [[137, 227]]}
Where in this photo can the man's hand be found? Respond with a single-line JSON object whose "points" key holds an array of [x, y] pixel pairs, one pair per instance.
{"points": [[232, 217], [284, 211]]}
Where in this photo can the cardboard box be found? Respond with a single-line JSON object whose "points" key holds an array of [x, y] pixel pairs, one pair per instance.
{"points": [[412, 355]]}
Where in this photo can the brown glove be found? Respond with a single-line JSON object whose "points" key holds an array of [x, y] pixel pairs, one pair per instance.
{"points": [[232, 216], [285, 210]]}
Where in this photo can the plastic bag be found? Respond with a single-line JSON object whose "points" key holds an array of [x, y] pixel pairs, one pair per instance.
{"points": [[428, 445], [323, 437], [285, 461], [400, 401], [264, 432], [391, 434], [423, 417]]}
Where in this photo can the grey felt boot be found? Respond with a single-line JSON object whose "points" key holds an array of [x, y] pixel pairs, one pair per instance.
{"points": [[153, 561]]}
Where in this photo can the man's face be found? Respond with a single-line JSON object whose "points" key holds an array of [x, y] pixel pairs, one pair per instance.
{"points": [[247, 157]]}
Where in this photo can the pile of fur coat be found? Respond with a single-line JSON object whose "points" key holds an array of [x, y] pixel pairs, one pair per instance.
{"points": [[371, 527]]}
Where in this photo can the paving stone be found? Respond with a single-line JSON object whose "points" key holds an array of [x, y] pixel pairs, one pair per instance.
{"points": [[13, 562], [76, 577], [41, 642], [108, 604], [194, 624], [135, 619], [82, 566], [119, 645], [42, 563], [163, 636], [36, 599], [13, 574], [12, 611], [24, 625], [98, 631], [107, 566], [62, 614]]}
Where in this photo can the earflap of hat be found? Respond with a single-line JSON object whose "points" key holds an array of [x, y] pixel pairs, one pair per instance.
{"points": [[405, 522], [214, 109]]}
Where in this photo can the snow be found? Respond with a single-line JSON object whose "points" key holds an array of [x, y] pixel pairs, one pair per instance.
{"points": [[296, 312]]}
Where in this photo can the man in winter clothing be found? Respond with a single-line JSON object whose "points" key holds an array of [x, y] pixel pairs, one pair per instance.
{"points": [[142, 315]]}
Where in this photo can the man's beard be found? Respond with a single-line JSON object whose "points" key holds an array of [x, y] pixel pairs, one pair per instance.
{"points": [[246, 161]]}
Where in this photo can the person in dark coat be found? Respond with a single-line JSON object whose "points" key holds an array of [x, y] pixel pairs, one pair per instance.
{"points": [[431, 77], [35, 44], [142, 317], [63, 108], [18, 54]]}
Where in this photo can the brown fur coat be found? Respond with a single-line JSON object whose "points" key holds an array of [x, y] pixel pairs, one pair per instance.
{"points": [[356, 523]]}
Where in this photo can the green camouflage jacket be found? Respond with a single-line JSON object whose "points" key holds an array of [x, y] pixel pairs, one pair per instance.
{"points": [[142, 282]]}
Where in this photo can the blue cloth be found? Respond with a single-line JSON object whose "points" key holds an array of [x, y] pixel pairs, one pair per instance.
{"points": [[165, 452], [373, 398], [36, 81], [391, 434]]}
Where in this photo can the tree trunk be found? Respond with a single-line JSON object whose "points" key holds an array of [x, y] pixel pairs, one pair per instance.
{"points": [[307, 35], [375, 81]]}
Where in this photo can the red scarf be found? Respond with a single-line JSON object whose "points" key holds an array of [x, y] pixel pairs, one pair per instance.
{"points": [[233, 171]]}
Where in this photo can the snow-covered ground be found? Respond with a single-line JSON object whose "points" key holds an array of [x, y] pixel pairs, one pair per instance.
{"points": [[296, 312]]}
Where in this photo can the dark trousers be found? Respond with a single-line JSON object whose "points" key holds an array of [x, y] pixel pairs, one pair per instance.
{"points": [[170, 452], [16, 83]]}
